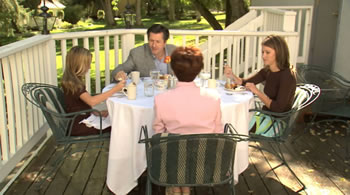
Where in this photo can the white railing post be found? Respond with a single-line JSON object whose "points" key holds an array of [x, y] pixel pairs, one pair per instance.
{"points": [[289, 21], [128, 43], [293, 45], [107, 61], [51, 61]]}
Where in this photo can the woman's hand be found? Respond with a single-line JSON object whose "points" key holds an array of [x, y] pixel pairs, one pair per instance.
{"points": [[262, 96], [121, 75], [120, 85], [228, 72], [104, 113], [252, 87]]}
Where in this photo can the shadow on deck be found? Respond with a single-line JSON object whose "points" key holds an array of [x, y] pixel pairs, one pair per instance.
{"points": [[317, 157]]}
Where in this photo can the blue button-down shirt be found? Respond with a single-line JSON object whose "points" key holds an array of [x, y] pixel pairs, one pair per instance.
{"points": [[160, 64]]}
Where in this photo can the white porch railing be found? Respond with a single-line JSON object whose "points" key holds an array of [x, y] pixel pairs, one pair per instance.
{"points": [[243, 52], [37, 59], [21, 124], [303, 23]]}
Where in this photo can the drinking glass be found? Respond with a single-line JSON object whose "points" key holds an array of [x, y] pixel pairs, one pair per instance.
{"points": [[154, 74], [161, 85], [204, 75], [148, 87]]}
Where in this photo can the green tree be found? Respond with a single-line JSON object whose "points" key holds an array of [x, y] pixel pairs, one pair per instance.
{"points": [[73, 13], [138, 12], [95, 5], [107, 7], [234, 10], [12, 17], [202, 8], [31, 4], [171, 10]]}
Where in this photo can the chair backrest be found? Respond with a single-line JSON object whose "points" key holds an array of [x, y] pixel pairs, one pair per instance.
{"points": [[190, 160], [335, 88], [305, 95], [49, 99], [321, 77]]}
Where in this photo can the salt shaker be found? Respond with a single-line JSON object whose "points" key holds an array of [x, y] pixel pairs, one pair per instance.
{"points": [[171, 82]]}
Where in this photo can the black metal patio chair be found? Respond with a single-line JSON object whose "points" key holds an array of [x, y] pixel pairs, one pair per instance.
{"points": [[189, 160], [334, 100], [49, 99], [305, 95]]}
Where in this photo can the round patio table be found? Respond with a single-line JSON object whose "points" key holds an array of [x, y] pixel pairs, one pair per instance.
{"points": [[127, 158]]}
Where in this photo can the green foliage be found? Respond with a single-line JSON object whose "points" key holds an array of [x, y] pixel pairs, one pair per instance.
{"points": [[73, 13], [31, 4], [89, 21], [12, 17], [101, 14], [115, 5], [84, 23], [5, 22], [66, 25]]}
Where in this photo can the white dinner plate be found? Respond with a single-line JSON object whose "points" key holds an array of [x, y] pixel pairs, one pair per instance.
{"points": [[118, 94], [237, 89]]}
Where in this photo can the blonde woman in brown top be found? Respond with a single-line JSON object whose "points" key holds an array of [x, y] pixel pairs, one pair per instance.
{"points": [[78, 62]]}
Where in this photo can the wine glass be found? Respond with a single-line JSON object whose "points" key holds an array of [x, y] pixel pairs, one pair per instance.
{"points": [[204, 75]]}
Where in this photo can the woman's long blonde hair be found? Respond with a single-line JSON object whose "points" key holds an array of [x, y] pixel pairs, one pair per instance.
{"points": [[78, 62]]}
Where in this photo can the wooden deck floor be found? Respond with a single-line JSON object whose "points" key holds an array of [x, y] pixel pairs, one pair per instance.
{"points": [[317, 158]]}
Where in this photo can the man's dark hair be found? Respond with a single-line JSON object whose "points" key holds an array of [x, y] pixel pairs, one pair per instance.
{"points": [[158, 28]]}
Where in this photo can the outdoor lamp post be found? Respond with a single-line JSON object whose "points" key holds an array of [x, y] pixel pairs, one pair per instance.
{"points": [[45, 15], [129, 16]]}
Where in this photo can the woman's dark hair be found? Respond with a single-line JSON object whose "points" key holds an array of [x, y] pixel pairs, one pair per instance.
{"points": [[158, 28], [281, 50], [186, 63]]}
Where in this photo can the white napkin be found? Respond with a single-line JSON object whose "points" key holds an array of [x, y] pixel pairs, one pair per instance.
{"points": [[94, 121]]}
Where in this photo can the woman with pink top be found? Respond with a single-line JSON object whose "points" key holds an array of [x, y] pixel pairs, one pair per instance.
{"points": [[187, 109]]}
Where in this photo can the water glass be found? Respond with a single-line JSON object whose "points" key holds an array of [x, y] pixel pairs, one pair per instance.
{"points": [[204, 75], [154, 74], [149, 88], [161, 84]]}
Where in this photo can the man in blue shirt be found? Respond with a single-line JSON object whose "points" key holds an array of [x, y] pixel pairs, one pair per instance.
{"points": [[153, 55]]}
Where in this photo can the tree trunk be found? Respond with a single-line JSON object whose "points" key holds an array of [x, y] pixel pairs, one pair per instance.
{"points": [[198, 16], [138, 13], [207, 14], [149, 7], [109, 16], [234, 10], [16, 19], [171, 10]]}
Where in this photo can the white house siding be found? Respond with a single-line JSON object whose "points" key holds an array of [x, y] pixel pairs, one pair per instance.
{"points": [[342, 48]]}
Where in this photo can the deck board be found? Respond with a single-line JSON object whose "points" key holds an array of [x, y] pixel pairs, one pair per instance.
{"points": [[318, 158], [259, 159], [96, 182]]}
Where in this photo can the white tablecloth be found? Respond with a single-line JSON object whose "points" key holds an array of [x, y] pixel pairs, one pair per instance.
{"points": [[127, 158]]}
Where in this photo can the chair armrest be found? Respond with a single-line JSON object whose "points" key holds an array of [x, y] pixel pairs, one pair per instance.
{"points": [[70, 117], [272, 114]]}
